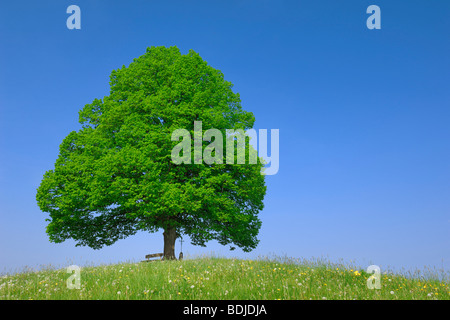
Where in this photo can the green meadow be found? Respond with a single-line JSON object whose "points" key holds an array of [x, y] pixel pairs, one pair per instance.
{"points": [[221, 278]]}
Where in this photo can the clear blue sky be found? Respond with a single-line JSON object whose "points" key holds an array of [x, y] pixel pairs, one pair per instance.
{"points": [[363, 117]]}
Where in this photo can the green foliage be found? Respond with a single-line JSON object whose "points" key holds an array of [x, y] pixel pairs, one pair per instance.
{"points": [[115, 176]]}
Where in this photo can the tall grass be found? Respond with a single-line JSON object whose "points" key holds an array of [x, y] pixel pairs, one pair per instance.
{"points": [[222, 278]]}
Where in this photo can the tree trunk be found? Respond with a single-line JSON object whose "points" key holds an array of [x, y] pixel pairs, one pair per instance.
{"points": [[170, 235]]}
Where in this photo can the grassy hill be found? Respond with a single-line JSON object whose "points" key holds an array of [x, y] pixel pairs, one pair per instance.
{"points": [[220, 278]]}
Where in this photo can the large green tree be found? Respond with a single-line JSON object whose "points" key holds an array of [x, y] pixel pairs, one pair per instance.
{"points": [[115, 176]]}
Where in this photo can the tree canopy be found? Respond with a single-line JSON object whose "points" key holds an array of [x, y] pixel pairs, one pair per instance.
{"points": [[115, 175]]}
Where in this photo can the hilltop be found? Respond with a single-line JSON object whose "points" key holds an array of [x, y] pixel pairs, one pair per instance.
{"points": [[219, 278]]}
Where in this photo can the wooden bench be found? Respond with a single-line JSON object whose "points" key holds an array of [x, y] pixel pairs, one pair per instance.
{"points": [[160, 256], [153, 255]]}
